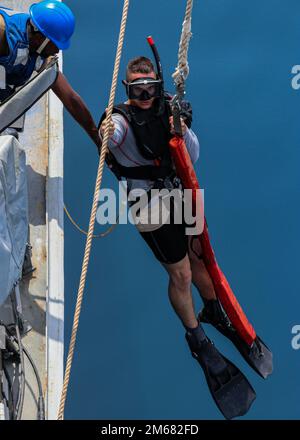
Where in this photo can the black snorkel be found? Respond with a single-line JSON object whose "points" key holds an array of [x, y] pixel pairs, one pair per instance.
{"points": [[161, 107]]}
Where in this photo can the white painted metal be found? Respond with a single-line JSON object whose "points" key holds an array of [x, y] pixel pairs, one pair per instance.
{"points": [[55, 241]]}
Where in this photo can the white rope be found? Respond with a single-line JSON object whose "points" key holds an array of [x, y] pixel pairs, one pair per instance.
{"points": [[182, 70], [93, 214]]}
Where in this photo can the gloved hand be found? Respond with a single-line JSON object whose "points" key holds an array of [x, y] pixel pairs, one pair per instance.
{"points": [[183, 125]]}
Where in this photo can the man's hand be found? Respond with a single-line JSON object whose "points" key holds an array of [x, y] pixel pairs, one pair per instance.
{"points": [[111, 128], [97, 139], [183, 126]]}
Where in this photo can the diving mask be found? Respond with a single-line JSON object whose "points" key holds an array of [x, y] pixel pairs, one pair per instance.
{"points": [[143, 89]]}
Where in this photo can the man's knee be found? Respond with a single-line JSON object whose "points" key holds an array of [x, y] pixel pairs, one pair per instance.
{"points": [[182, 278]]}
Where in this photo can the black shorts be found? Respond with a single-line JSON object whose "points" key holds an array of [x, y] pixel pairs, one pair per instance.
{"points": [[169, 243]]}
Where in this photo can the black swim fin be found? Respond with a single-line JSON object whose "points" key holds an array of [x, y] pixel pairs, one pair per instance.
{"points": [[230, 389], [258, 355]]}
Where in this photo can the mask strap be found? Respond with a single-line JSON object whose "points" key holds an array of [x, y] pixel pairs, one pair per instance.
{"points": [[42, 46]]}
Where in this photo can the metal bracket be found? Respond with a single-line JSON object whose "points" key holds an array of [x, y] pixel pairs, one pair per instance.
{"points": [[28, 268], [176, 105], [176, 110]]}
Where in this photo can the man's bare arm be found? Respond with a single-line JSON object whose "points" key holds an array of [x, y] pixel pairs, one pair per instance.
{"points": [[76, 107]]}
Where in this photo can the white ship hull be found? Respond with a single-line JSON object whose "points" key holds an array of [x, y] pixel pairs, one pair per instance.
{"points": [[42, 295]]}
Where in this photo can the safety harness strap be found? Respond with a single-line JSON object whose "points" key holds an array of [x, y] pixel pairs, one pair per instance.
{"points": [[143, 172], [146, 172]]}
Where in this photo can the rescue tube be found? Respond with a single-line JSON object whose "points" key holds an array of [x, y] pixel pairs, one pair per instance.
{"points": [[186, 173]]}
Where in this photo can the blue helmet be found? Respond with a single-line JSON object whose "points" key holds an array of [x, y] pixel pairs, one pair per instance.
{"points": [[55, 20]]}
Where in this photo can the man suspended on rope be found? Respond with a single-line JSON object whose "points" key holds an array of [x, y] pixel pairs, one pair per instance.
{"points": [[27, 40], [140, 133], [132, 147]]}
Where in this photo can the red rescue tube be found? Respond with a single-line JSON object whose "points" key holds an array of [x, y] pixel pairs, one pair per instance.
{"points": [[186, 172]]}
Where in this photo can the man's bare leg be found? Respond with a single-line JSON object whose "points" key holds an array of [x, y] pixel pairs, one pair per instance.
{"points": [[180, 280], [200, 277]]}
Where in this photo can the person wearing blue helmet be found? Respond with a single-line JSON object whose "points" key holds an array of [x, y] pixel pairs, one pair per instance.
{"points": [[27, 40]]}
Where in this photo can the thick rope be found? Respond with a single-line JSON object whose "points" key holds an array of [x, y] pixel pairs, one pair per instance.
{"points": [[182, 70], [93, 212]]}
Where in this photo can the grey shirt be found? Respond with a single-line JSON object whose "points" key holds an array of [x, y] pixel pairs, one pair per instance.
{"points": [[124, 148]]}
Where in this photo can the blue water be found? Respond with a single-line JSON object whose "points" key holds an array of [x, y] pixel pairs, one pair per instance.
{"points": [[131, 358]]}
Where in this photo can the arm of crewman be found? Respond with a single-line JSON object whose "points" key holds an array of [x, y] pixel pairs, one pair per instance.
{"points": [[76, 107]]}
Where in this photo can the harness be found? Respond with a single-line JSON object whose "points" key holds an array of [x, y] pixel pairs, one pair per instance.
{"points": [[151, 130]]}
